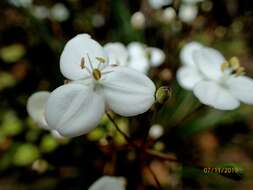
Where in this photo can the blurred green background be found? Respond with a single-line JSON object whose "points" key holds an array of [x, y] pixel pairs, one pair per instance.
{"points": [[32, 36]]}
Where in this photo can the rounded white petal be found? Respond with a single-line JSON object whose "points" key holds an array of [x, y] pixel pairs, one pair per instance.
{"points": [[57, 135], [156, 131], [81, 46], [186, 53], [138, 58], [117, 53], [188, 12], [36, 107], [157, 56], [138, 20], [128, 92], [209, 62], [74, 109], [188, 77], [212, 94], [157, 4], [242, 88], [108, 183]]}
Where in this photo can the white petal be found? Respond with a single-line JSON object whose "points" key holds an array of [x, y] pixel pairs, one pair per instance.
{"points": [[157, 56], [108, 183], [139, 64], [136, 50], [128, 92], [74, 109], [36, 107], [186, 53], [242, 88], [138, 58], [81, 46], [188, 77], [188, 12], [117, 53], [157, 4], [212, 94], [209, 62]]}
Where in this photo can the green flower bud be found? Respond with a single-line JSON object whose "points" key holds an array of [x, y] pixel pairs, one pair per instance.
{"points": [[163, 94]]}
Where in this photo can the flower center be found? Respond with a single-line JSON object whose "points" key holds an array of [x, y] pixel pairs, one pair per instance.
{"points": [[233, 67], [96, 74]]}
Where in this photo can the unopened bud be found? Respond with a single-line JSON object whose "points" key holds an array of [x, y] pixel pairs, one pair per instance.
{"points": [[163, 94]]}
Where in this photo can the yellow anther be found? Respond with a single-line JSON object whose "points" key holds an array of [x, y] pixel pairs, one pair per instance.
{"points": [[234, 63], [224, 66], [82, 64], [240, 71], [100, 59], [96, 74]]}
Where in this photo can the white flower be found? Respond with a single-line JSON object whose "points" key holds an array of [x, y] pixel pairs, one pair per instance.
{"points": [[59, 12], [169, 14], [141, 57], [40, 11], [108, 183], [157, 4], [138, 20], [136, 56], [117, 52], [75, 108], [156, 131], [214, 81], [188, 12]]}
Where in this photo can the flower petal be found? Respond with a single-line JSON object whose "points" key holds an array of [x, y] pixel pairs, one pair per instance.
{"points": [[209, 62], [186, 54], [157, 56], [138, 57], [242, 88], [74, 109], [36, 107], [78, 48], [117, 53], [212, 94], [108, 183], [188, 77], [128, 92]]}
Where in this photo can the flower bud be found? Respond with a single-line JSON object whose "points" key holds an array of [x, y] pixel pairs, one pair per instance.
{"points": [[163, 94]]}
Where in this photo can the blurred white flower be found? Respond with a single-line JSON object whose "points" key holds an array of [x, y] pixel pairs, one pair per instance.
{"points": [[192, 1], [59, 12], [21, 3], [169, 14], [138, 20], [188, 12], [108, 183], [141, 57], [98, 20], [75, 108], [156, 131], [214, 81], [117, 52], [40, 11], [136, 56], [157, 4]]}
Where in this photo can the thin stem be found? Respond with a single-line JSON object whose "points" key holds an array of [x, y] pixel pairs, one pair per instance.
{"points": [[155, 178], [161, 155], [118, 129]]}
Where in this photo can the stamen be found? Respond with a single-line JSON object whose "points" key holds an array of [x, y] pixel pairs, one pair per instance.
{"points": [[224, 66], [233, 66], [82, 64], [100, 59], [90, 62], [96, 74], [234, 63]]}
